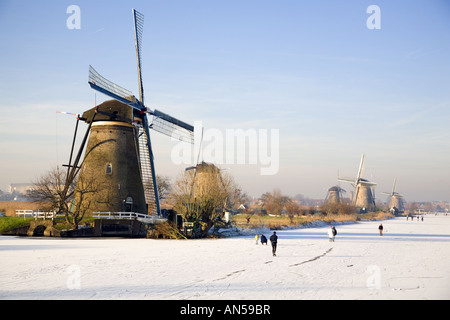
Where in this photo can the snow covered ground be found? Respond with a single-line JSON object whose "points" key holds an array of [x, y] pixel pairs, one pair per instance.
{"points": [[410, 261]]}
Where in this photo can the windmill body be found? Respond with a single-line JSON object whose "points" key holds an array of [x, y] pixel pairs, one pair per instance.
{"points": [[334, 195], [119, 159], [111, 162], [363, 197], [396, 202]]}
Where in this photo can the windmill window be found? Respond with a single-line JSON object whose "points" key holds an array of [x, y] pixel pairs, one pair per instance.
{"points": [[108, 168]]}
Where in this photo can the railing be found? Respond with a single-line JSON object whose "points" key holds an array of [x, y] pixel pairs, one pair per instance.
{"points": [[38, 214], [99, 215], [128, 215]]}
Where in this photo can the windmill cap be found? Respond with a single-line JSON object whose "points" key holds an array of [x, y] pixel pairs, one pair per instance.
{"points": [[111, 110]]}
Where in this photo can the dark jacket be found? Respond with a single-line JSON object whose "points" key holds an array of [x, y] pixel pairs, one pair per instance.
{"points": [[273, 238], [334, 231], [263, 239]]}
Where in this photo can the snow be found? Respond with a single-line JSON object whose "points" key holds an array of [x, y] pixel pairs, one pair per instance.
{"points": [[410, 261]]}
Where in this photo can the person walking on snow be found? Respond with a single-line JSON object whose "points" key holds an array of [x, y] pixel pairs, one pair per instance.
{"points": [[263, 239], [380, 228], [274, 239], [256, 239], [331, 234]]}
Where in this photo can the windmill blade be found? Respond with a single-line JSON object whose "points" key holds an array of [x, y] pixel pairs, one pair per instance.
{"points": [[346, 180], [199, 148], [368, 183], [171, 126], [360, 169], [103, 85], [173, 120], [393, 187], [69, 113], [198, 155], [79, 117], [138, 31], [147, 166]]}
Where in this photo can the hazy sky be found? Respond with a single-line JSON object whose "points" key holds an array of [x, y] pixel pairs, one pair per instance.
{"points": [[313, 70]]}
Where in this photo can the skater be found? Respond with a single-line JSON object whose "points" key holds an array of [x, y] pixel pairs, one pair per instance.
{"points": [[256, 239], [263, 240], [331, 234], [380, 228], [273, 240]]}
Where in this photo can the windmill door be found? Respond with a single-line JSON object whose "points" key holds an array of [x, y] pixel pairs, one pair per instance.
{"points": [[129, 204]]}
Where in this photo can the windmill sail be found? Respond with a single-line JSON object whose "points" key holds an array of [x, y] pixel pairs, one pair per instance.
{"points": [[103, 85], [138, 31], [147, 173], [172, 127]]}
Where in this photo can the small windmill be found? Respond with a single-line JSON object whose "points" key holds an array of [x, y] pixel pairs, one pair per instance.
{"points": [[119, 152], [363, 197], [334, 195], [396, 202]]}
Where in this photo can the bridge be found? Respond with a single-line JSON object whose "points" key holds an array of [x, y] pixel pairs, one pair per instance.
{"points": [[112, 224], [123, 224], [38, 214], [129, 216]]}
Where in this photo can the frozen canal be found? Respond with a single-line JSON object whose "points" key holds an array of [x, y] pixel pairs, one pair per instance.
{"points": [[410, 261]]}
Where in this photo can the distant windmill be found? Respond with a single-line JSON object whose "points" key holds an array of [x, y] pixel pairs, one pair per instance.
{"points": [[363, 196], [395, 200], [334, 195], [119, 154]]}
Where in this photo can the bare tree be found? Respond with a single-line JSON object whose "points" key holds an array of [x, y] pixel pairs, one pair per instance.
{"points": [[49, 189], [84, 199], [202, 196], [292, 209], [164, 186], [74, 204], [275, 202]]}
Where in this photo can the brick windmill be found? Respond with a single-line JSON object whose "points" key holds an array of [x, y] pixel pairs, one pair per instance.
{"points": [[363, 197], [396, 203], [119, 157]]}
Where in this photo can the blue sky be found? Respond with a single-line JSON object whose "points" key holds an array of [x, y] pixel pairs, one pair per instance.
{"points": [[311, 69]]}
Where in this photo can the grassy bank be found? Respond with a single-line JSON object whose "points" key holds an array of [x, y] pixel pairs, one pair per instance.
{"points": [[278, 222], [8, 223]]}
